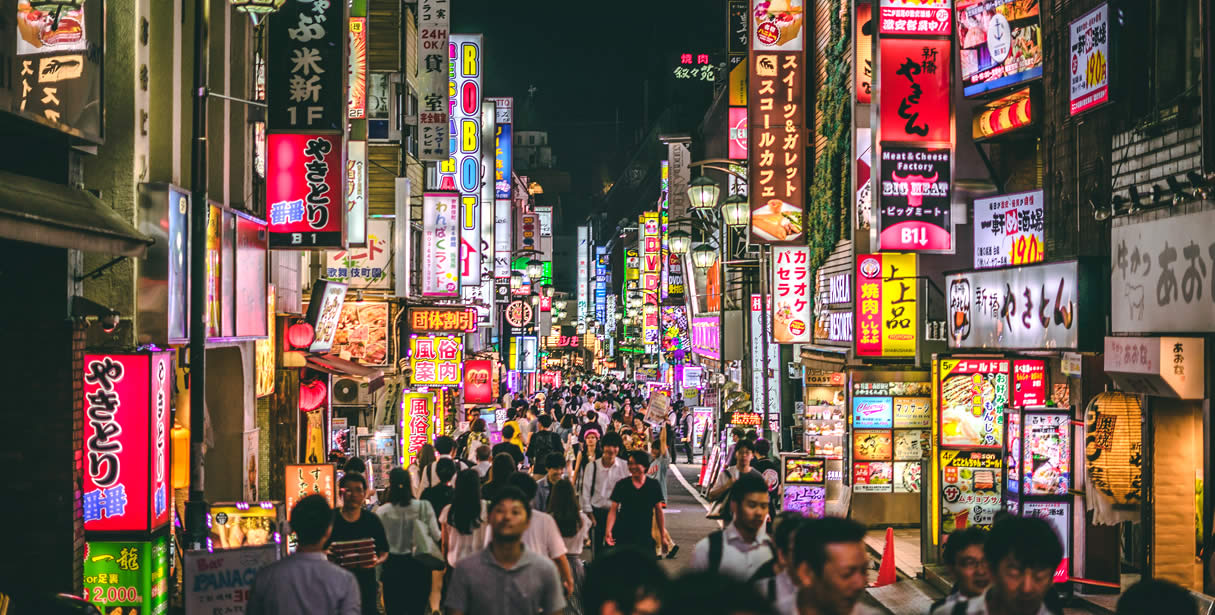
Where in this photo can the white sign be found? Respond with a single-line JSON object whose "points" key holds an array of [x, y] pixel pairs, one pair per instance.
{"points": [[366, 267], [660, 406], [792, 286], [1161, 366], [504, 109], [691, 376], [1089, 41], [840, 288], [584, 275], [760, 395], [356, 193], [1162, 274], [219, 582], [679, 175], [1030, 307], [440, 245], [434, 25], [502, 243], [1010, 230], [1071, 364], [545, 215]]}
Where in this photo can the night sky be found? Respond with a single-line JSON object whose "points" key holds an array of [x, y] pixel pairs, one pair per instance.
{"points": [[588, 61]]}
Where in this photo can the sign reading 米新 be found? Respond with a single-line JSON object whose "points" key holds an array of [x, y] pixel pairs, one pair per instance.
{"points": [[435, 360], [791, 290], [126, 441], [914, 90], [915, 17], [886, 307], [1089, 42], [440, 244], [434, 27], [1010, 230], [1018, 308], [776, 144], [306, 74], [1163, 275], [305, 191], [914, 207]]}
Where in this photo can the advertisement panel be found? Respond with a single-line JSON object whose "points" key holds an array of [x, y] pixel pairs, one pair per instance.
{"points": [[863, 169], [1029, 383], [886, 308], [306, 74], [1057, 514], [503, 160], [584, 276], [324, 310], [127, 576], [809, 500], [870, 445], [872, 412], [356, 77], [737, 118], [440, 245], [478, 375], [872, 477], [59, 65], [463, 169], [1089, 40], [434, 26], [207, 578], [863, 29], [999, 44], [1028, 307], [759, 335], [1158, 274], [435, 360], [775, 145], [651, 276], [973, 395], [915, 17], [416, 424], [356, 193], [362, 333], [970, 489], [126, 441], [1010, 230], [777, 26], [305, 191], [305, 479], [502, 239], [791, 288], [914, 210], [366, 267], [912, 412], [907, 476], [1047, 448], [914, 97], [706, 337]]}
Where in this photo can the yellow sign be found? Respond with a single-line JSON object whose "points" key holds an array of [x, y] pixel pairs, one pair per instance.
{"points": [[738, 85], [416, 424], [436, 360]]}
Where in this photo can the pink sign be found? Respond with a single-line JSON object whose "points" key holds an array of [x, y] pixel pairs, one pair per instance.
{"points": [[1029, 383], [738, 133], [706, 339]]}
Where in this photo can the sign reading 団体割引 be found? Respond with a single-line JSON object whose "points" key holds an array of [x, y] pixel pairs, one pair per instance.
{"points": [[914, 212], [1162, 275], [306, 76], [1089, 41], [442, 319], [999, 44], [440, 244], [434, 27], [886, 306], [1030, 307], [1010, 230], [305, 191], [435, 360]]}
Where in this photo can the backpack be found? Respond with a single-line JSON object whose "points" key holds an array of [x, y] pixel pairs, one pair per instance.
{"points": [[717, 543]]}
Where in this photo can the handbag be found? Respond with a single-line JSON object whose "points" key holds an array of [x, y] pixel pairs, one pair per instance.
{"points": [[424, 549], [720, 509]]}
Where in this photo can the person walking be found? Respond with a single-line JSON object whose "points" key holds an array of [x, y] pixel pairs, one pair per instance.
{"points": [[422, 465], [499, 475], [509, 444], [353, 522], [543, 442], [636, 505], [741, 548], [483, 460], [574, 526], [598, 480], [506, 578], [542, 535], [831, 567], [407, 581], [465, 521], [1022, 554], [963, 555], [306, 582], [744, 452], [554, 470], [658, 470]]}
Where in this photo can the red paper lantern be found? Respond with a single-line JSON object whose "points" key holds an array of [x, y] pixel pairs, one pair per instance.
{"points": [[300, 335], [312, 395]]}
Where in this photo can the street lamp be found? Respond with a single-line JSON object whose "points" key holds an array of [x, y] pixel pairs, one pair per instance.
{"points": [[679, 241], [535, 269], [702, 192], [703, 256], [516, 279], [257, 8], [736, 211], [547, 290]]}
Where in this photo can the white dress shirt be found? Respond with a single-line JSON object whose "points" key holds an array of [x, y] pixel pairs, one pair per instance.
{"points": [[739, 558], [598, 481], [543, 537]]}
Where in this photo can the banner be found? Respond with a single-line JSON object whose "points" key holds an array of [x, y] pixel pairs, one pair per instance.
{"points": [[999, 44], [1089, 40], [434, 23], [305, 191], [791, 290], [1019, 308], [463, 169], [440, 245]]}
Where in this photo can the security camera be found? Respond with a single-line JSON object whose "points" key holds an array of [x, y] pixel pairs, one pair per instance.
{"points": [[109, 321]]}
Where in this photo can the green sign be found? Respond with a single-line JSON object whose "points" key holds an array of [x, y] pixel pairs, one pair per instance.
{"points": [[128, 574], [520, 265]]}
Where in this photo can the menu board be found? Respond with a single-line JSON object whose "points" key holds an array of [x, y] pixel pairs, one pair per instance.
{"points": [[974, 394], [241, 524], [1047, 461], [1058, 515], [872, 477], [907, 477], [872, 413], [362, 333], [825, 428], [1012, 455], [1029, 383], [892, 389], [872, 445], [127, 577], [809, 500], [912, 412], [799, 469], [970, 489], [911, 444]]}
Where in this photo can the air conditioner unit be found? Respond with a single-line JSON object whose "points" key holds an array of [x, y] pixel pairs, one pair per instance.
{"points": [[351, 392]]}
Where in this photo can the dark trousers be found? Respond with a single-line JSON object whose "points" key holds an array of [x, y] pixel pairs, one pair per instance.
{"points": [[600, 530], [687, 449], [406, 586]]}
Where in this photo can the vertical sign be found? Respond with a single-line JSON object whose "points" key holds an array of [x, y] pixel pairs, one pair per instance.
{"points": [[651, 275], [791, 288], [305, 191], [601, 266], [1089, 41], [503, 148], [440, 245], [465, 161], [306, 88], [356, 105], [914, 212], [584, 275], [864, 29], [502, 238], [737, 148], [886, 308], [777, 150], [1009, 230], [485, 297], [914, 96], [761, 395], [680, 175], [356, 193], [864, 170], [916, 17], [434, 23], [416, 426]]}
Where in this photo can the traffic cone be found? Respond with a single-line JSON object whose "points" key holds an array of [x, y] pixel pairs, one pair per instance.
{"points": [[886, 572]]}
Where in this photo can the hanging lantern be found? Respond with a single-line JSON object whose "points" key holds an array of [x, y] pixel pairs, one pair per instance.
{"points": [[535, 270], [312, 395], [736, 211], [1113, 447], [703, 256], [300, 335], [679, 241], [516, 279], [179, 473], [702, 193]]}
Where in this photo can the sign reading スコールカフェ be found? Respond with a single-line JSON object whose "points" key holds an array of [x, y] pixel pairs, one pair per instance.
{"points": [[1020, 308], [1162, 274], [126, 441], [307, 72], [306, 191]]}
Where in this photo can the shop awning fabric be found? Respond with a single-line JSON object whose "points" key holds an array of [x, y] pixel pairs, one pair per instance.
{"points": [[38, 211], [333, 364]]}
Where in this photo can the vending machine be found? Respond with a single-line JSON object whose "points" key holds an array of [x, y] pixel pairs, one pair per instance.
{"points": [[1038, 461]]}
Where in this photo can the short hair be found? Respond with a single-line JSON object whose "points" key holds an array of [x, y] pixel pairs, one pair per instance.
{"points": [[746, 485], [554, 460], [483, 452], [545, 421], [751, 435], [445, 469], [611, 438], [511, 493], [623, 576], [444, 445], [508, 432], [810, 545], [524, 483], [478, 425], [591, 416], [355, 464], [744, 444], [712, 592], [639, 457], [511, 413], [352, 477], [1156, 596], [785, 529], [761, 447], [959, 540], [739, 432], [311, 518], [1029, 540]]}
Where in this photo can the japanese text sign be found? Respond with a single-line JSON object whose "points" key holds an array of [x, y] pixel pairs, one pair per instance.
{"points": [[1029, 383], [462, 172], [416, 424], [970, 489], [1010, 229], [792, 286], [886, 308], [366, 267], [872, 413], [914, 208], [737, 118], [914, 92], [1163, 275], [477, 385], [306, 86], [1089, 42], [356, 105], [434, 25], [443, 319], [356, 193], [1000, 44], [436, 360], [584, 275], [776, 147], [324, 311], [863, 35], [1158, 366], [777, 25], [737, 26], [809, 500], [973, 395], [303, 480], [1058, 515], [651, 274], [207, 578], [440, 244], [126, 441], [59, 65], [1028, 307], [503, 148], [765, 373], [127, 576], [305, 191], [915, 17]]}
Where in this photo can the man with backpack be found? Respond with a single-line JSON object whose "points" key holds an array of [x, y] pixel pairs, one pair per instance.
{"points": [[742, 547], [543, 442]]}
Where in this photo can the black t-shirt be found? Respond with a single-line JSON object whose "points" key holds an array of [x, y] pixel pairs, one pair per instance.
{"points": [[368, 525], [439, 496], [510, 448], [635, 511]]}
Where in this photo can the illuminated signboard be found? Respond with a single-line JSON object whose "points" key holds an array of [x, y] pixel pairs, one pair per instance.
{"points": [[1004, 115], [791, 288], [738, 133], [462, 172], [434, 27], [324, 310], [706, 340], [695, 67], [651, 276], [886, 308], [416, 424], [502, 239], [973, 395], [584, 275], [1010, 230], [502, 160], [1020, 308], [1089, 41], [305, 479], [759, 367], [366, 267], [356, 77], [777, 26], [435, 360], [307, 71], [440, 244], [776, 147], [914, 206], [126, 441], [305, 191], [362, 333], [127, 577], [1000, 44], [477, 377], [443, 319], [356, 193], [915, 17], [915, 90]]}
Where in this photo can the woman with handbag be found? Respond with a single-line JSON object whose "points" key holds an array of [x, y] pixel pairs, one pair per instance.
{"points": [[413, 536]]}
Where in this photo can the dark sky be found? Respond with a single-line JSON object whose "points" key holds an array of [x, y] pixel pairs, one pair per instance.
{"points": [[588, 61]]}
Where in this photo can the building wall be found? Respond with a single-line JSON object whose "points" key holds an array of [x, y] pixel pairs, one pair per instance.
{"points": [[1176, 456]]}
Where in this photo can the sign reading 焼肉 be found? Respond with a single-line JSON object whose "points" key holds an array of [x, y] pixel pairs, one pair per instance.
{"points": [[1089, 41], [886, 307], [1010, 229], [914, 206], [306, 191]]}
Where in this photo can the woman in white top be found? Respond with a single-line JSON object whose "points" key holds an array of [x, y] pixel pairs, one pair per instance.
{"points": [[421, 466], [574, 526], [407, 579], [465, 521]]}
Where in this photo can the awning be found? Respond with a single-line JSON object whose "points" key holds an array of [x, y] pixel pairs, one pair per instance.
{"points": [[333, 364], [38, 211], [1160, 366], [823, 358]]}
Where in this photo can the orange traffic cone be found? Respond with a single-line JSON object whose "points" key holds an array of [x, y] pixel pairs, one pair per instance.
{"points": [[886, 572]]}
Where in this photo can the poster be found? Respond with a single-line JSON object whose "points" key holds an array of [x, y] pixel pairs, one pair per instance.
{"points": [[873, 477], [791, 290], [999, 44], [220, 581], [251, 466], [914, 208], [362, 333], [911, 444], [1010, 230], [912, 412], [824, 428], [809, 500], [660, 406], [777, 25], [872, 445], [1047, 447], [1029, 383], [1012, 457], [872, 412], [914, 90], [324, 312], [907, 476], [356, 72], [970, 489], [243, 524], [303, 480], [799, 469], [915, 17], [1058, 515], [57, 77], [127, 576], [973, 397], [1089, 41]]}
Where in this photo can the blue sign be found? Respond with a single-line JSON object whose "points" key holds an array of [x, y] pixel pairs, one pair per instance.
{"points": [[872, 413], [503, 152]]}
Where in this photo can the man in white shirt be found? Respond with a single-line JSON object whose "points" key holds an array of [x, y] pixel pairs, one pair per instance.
{"points": [[742, 547], [831, 567], [483, 461], [781, 588], [542, 535], [598, 481], [444, 447], [1022, 555]]}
